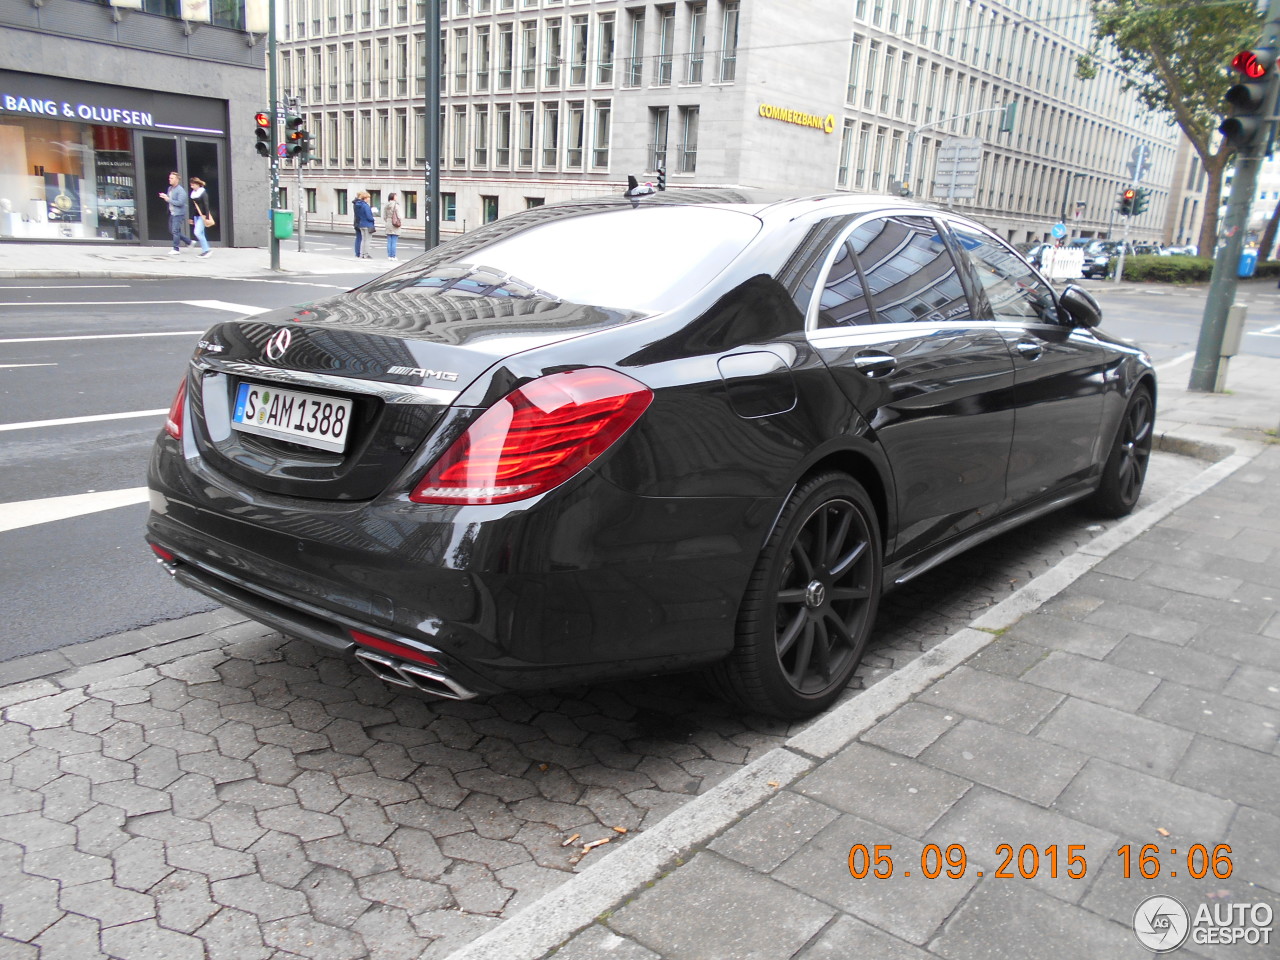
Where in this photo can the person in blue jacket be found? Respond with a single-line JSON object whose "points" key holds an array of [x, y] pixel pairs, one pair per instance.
{"points": [[364, 225]]}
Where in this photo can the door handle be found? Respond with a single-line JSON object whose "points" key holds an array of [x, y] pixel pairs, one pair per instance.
{"points": [[1029, 349], [874, 364]]}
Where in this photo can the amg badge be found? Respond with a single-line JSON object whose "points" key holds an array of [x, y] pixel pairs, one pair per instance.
{"points": [[423, 372]]}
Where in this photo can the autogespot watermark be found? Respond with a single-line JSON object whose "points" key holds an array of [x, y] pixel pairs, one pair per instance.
{"points": [[1162, 924]]}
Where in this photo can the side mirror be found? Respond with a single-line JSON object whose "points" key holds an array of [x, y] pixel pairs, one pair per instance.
{"points": [[1080, 306]]}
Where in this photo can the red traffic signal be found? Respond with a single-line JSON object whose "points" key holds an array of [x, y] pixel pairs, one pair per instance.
{"points": [[262, 119], [262, 133], [1130, 194], [1247, 62]]}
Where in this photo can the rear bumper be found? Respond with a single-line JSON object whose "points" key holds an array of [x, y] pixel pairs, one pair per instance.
{"points": [[601, 585]]}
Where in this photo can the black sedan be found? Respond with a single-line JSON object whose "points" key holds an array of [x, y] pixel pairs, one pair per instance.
{"points": [[617, 438]]}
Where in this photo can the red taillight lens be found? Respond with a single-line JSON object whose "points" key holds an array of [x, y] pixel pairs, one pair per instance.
{"points": [[162, 553], [535, 438], [391, 647], [173, 423]]}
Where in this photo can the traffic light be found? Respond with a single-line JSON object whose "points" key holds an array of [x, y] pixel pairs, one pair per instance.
{"points": [[1140, 200], [662, 178], [295, 136], [262, 133], [1248, 127], [1125, 207], [308, 148]]}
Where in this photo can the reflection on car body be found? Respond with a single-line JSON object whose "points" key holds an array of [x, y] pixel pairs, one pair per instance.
{"points": [[687, 430]]}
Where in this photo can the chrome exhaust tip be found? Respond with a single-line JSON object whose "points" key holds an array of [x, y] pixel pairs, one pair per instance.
{"points": [[413, 675]]}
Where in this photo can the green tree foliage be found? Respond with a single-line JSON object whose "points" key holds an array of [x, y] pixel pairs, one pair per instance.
{"points": [[1175, 56]]}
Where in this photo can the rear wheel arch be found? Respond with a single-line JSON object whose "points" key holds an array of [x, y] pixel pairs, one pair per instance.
{"points": [[871, 476]]}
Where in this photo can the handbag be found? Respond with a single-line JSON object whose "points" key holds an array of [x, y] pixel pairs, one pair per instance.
{"points": [[209, 221]]}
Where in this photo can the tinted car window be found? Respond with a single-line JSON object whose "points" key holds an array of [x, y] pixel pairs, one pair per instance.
{"points": [[1014, 291], [844, 301], [909, 273], [670, 254]]}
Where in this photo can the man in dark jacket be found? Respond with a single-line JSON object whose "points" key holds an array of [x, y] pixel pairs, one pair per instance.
{"points": [[364, 225], [176, 197]]}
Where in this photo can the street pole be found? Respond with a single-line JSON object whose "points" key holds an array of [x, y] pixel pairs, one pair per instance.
{"points": [[911, 138], [431, 213], [275, 126], [1223, 282]]}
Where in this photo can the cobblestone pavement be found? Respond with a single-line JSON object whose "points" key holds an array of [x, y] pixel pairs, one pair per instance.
{"points": [[208, 788]]}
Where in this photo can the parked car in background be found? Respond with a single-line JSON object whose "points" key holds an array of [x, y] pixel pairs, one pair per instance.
{"points": [[1034, 252], [1182, 251], [615, 438], [1147, 249]]}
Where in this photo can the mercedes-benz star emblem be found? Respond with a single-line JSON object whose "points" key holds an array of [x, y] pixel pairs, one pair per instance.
{"points": [[278, 343]]}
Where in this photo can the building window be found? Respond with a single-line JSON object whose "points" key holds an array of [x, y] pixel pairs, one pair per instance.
{"points": [[666, 43], [489, 209], [482, 58], [846, 146], [449, 206], [383, 154], [729, 43], [481, 133], [525, 157], [634, 76], [528, 54], [855, 57], [402, 138], [317, 76], [604, 49], [461, 48], [311, 199], [688, 139], [340, 201], [334, 63], [402, 66], [419, 136], [554, 53], [459, 136], [349, 138], [366, 138], [578, 51], [502, 136], [531, 202], [574, 141], [697, 42], [348, 71], [331, 136], [366, 70], [860, 169], [600, 134], [658, 138], [550, 134], [506, 55], [410, 198]]}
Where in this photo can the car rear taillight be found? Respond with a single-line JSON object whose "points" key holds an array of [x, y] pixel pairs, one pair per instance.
{"points": [[173, 423], [391, 647], [535, 438]]}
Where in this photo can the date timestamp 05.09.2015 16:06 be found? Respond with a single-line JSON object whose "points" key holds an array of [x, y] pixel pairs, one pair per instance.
{"points": [[1030, 861]]}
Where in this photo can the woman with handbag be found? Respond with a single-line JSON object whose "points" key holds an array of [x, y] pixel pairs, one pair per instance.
{"points": [[202, 217], [391, 215]]}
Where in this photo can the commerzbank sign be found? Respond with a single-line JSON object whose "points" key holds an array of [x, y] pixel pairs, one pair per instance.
{"points": [[826, 124]]}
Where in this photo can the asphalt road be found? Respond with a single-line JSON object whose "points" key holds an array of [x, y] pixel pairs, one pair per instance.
{"points": [[71, 352], [74, 352]]}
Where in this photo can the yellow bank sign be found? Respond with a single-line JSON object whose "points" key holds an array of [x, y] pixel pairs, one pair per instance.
{"points": [[826, 124]]}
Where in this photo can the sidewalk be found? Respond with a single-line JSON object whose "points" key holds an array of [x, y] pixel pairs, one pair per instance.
{"points": [[1129, 696], [47, 261]]}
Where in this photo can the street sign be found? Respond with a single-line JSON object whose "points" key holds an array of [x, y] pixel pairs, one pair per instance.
{"points": [[282, 151], [1139, 164], [1059, 230], [958, 169]]}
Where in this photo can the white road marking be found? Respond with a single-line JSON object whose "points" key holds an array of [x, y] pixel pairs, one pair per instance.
{"points": [[15, 366], [105, 336], [1175, 361], [207, 304], [96, 418], [28, 513], [68, 286]]}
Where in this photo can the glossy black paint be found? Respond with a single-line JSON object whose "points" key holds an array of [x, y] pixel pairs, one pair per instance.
{"points": [[954, 424]]}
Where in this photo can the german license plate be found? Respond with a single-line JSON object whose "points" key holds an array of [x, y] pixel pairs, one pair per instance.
{"points": [[306, 418]]}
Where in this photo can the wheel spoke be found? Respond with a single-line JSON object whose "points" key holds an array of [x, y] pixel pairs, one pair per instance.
{"points": [[790, 595], [841, 630], [804, 652], [832, 547], [801, 557], [845, 564], [849, 593], [821, 659], [788, 636]]}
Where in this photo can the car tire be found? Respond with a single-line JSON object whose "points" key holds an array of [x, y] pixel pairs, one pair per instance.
{"points": [[810, 604], [1126, 466]]}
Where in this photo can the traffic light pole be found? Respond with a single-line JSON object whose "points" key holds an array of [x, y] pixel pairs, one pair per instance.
{"points": [[431, 215], [274, 158], [1205, 376]]}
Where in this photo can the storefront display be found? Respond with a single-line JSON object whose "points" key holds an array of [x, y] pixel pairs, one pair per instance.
{"points": [[74, 156]]}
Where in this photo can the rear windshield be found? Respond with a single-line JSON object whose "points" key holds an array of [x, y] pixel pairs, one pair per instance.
{"points": [[646, 259]]}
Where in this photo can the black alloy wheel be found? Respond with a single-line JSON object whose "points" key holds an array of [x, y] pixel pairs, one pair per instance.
{"points": [[810, 605], [1126, 467]]}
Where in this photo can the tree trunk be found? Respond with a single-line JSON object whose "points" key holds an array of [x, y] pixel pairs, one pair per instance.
{"points": [[1214, 170], [1268, 245]]}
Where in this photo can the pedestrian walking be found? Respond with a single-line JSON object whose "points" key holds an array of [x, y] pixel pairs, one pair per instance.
{"points": [[391, 217], [176, 197], [364, 226], [201, 217]]}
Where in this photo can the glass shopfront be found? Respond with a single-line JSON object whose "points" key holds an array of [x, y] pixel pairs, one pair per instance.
{"points": [[85, 162]]}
